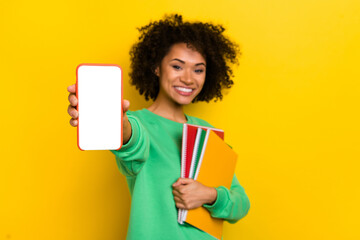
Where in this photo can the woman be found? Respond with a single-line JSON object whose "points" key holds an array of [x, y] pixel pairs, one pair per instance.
{"points": [[174, 63]]}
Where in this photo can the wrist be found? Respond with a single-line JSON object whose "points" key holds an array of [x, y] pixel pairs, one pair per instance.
{"points": [[127, 131], [212, 196]]}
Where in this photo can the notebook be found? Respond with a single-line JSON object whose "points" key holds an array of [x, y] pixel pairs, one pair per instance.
{"points": [[188, 142], [216, 168], [199, 142]]}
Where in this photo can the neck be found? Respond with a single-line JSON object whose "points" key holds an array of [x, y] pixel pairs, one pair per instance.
{"points": [[168, 109]]}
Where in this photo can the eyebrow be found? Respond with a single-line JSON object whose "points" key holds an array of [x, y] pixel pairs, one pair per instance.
{"points": [[176, 59]]}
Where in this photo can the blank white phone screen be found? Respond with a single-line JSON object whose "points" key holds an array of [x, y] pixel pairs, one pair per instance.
{"points": [[99, 92]]}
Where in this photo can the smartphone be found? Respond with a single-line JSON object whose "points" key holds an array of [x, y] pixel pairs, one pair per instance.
{"points": [[99, 94]]}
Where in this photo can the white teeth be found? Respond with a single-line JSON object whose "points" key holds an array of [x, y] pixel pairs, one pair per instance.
{"points": [[187, 90]]}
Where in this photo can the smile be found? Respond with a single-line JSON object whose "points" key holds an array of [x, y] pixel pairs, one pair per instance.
{"points": [[186, 90], [183, 91]]}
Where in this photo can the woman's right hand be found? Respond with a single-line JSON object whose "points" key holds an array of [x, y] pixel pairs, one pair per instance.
{"points": [[74, 114], [73, 103]]}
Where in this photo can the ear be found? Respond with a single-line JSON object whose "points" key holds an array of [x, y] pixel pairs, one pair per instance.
{"points": [[157, 71]]}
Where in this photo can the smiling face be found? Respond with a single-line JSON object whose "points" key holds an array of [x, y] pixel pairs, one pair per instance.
{"points": [[182, 75]]}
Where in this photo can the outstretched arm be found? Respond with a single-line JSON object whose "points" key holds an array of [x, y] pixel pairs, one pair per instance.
{"points": [[134, 151]]}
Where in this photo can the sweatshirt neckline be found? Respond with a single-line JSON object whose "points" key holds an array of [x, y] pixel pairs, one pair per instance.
{"points": [[168, 120]]}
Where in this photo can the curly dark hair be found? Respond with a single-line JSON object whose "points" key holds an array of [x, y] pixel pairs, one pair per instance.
{"points": [[155, 41]]}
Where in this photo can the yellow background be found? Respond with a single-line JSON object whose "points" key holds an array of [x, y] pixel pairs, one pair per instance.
{"points": [[292, 116]]}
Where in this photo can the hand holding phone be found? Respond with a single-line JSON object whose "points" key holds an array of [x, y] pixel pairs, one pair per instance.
{"points": [[99, 107], [72, 111]]}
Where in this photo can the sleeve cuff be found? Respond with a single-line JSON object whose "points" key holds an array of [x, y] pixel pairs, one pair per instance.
{"points": [[220, 202]]}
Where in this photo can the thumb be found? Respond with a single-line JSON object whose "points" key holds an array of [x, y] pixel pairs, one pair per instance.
{"points": [[125, 105]]}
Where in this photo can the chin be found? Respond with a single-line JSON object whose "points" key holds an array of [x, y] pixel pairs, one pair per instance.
{"points": [[184, 101]]}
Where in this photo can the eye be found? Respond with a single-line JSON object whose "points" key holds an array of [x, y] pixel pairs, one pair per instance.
{"points": [[176, 67], [199, 70]]}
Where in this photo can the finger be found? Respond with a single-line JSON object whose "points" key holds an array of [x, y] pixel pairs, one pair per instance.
{"points": [[177, 183], [176, 193], [73, 122], [183, 181], [73, 112], [180, 189], [176, 187], [126, 105], [187, 180], [180, 205], [72, 88], [73, 100], [178, 200]]}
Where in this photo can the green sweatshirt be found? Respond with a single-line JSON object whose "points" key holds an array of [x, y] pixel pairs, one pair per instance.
{"points": [[150, 162]]}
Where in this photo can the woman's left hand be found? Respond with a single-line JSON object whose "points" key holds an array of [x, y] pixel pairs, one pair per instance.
{"points": [[190, 194]]}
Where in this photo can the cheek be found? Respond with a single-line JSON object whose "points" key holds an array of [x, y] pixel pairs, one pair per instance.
{"points": [[202, 81]]}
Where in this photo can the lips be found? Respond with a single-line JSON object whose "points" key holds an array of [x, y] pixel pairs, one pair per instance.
{"points": [[184, 90]]}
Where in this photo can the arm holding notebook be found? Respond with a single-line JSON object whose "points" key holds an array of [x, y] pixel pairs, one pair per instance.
{"points": [[231, 204]]}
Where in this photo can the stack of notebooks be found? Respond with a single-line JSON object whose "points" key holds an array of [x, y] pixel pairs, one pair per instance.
{"points": [[205, 157]]}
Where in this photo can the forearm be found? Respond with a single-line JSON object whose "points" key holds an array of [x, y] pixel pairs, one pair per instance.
{"points": [[133, 154], [231, 204], [126, 129]]}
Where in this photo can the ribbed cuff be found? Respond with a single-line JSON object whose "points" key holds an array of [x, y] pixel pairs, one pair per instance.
{"points": [[220, 202]]}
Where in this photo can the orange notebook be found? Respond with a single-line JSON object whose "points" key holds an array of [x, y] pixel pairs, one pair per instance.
{"points": [[216, 168]]}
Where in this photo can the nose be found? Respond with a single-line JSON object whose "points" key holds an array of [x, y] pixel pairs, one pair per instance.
{"points": [[186, 77]]}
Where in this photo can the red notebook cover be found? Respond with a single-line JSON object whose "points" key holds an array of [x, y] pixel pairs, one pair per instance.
{"points": [[190, 140]]}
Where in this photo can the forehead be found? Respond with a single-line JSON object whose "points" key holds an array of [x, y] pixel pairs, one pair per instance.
{"points": [[185, 53]]}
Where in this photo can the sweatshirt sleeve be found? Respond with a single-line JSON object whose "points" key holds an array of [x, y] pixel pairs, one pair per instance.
{"points": [[231, 205], [132, 156]]}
